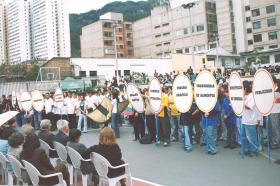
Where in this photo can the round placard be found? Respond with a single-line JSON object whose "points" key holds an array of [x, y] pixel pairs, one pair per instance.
{"points": [[58, 98], [37, 100], [135, 98], [205, 91], [26, 101], [155, 95], [183, 93], [263, 92], [236, 93]]}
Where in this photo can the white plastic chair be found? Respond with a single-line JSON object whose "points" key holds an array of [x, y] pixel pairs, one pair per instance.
{"points": [[17, 169], [47, 149], [102, 166], [76, 159], [62, 154], [7, 176], [34, 174]]}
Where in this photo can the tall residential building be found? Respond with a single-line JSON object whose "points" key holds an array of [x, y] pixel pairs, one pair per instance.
{"points": [[3, 56], [49, 29], [98, 39], [258, 23], [18, 31], [175, 30], [226, 25]]}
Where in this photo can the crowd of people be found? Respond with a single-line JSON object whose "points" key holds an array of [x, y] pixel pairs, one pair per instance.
{"points": [[20, 138]]}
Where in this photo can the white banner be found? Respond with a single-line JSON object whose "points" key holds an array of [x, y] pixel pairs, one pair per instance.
{"points": [[236, 93], [26, 102], [155, 95], [135, 98]]}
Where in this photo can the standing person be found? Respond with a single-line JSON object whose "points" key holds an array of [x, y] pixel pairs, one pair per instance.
{"points": [[49, 106], [150, 119], [175, 118], [210, 129], [185, 119], [82, 117], [139, 126], [274, 118], [115, 113], [164, 122], [229, 119], [250, 119], [195, 123], [70, 104]]}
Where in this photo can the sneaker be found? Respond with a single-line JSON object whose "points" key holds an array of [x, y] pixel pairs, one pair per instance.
{"points": [[174, 140], [188, 150], [165, 144], [212, 153], [227, 146], [202, 144]]}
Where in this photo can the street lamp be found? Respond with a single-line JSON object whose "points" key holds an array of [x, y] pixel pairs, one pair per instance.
{"points": [[189, 6], [116, 50]]}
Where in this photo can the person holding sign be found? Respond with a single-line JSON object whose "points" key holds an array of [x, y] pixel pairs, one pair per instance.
{"points": [[229, 118], [175, 118], [210, 129], [250, 120], [164, 122]]}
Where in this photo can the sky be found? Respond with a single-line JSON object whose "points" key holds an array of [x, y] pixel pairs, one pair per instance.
{"points": [[81, 6]]}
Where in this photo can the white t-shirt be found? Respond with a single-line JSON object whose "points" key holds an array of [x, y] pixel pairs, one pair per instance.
{"points": [[114, 103], [70, 104], [250, 116], [48, 105]]}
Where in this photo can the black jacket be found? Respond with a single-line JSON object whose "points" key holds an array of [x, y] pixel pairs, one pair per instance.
{"points": [[61, 138], [48, 137], [112, 153]]}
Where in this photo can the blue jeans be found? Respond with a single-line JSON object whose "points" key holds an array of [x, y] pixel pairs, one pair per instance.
{"points": [[82, 118], [37, 119], [175, 126], [210, 138], [249, 138], [187, 141], [114, 125], [23, 118]]}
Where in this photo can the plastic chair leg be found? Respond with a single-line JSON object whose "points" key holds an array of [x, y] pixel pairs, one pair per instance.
{"points": [[70, 169], [84, 179], [10, 179], [75, 177]]}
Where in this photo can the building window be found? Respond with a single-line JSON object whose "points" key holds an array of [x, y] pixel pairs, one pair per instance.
{"points": [[273, 46], [257, 25], [248, 19], [129, 43], [130, 52], [158, 26], [109, 51], [187, 50], [237, 62], [272, 35], [277, 58], [167, 43], [93, 73], [259, 48], [185, 31], [250, 42], [201, 47], [129, 35], [83, 73], [200, 28], [179, 51], [107, 25], [165, 24], [108, 42], [120, 55], [249, 30], [158, 45], [108, 34], [270, 9], [258, 38], [211, 5], [120, 47], [157, 36], [166, 34], [256, 12], [271, 22], [119, 38], [247, 8], [119, 30]]}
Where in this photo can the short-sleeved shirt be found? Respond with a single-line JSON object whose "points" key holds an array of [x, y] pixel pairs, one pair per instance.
{"points": [[164, 103], [174, 110]]}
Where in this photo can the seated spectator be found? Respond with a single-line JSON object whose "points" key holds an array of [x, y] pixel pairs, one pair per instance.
{"points": [[36, 156], [75, 136], [46, 135], [5, 133], [63, 129], [26, 129], [15, 142], [109, 149]]}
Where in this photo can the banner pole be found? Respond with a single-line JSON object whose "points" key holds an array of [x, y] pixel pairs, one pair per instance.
{"points": [[157, 141], [268, 140], [206, 134], [241, 137]]}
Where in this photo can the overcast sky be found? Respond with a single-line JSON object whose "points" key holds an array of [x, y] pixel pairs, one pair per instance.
{"points": [[80, 6]]}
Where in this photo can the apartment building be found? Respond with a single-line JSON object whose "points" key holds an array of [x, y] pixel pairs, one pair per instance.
{"points": [[3, 56], [258, 36], [18, 31], [175, 30], [102, 38], [50, 30]]}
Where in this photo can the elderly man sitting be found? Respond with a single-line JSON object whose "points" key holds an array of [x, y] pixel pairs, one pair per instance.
{"points": [[63, 129], [46, 135]]}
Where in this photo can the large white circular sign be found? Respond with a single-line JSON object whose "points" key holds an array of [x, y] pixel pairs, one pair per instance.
{"points": [[155, 95], [26, 102], [58, 98], [263, 92], [37, 100], [236, 93], [183, 93], [205, 91], [135, 98]]}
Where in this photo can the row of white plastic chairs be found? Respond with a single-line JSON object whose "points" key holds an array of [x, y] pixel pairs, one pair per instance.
{"points": [[101, 164]]}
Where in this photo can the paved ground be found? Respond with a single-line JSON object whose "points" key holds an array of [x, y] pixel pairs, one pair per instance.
{"points": [[171, 166]]}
